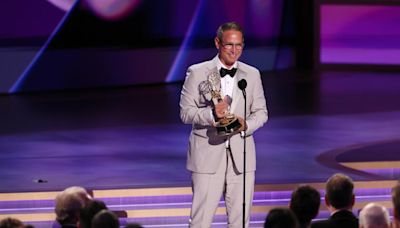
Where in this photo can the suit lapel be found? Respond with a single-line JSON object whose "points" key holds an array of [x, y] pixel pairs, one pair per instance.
{"points": [[214, 69], [237, 93]]}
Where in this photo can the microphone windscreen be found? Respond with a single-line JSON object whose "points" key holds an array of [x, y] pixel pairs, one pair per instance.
{"points": [[242, 84]]}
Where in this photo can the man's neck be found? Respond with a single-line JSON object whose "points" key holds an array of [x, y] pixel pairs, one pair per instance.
{"points": [[335, 210]]}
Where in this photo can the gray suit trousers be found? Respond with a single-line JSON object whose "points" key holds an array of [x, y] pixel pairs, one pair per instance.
{"points": [[208, 189]]}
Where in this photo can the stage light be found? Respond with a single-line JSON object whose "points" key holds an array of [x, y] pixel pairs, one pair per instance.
{"points": [[112, 9], [64, 5]]}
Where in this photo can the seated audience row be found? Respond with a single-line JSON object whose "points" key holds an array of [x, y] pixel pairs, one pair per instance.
{"points": [[339, 200], [76, 208]]}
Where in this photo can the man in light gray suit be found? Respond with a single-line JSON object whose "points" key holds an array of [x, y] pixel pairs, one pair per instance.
{"points": [[216, 161]]}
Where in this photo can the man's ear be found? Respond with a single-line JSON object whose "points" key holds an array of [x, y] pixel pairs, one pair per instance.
{"points": [[327, 201], [395, 213], [353, 200], [216, 42]]}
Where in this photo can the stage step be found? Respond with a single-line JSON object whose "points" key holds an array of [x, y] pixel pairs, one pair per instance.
{"points": [[170, 207]]}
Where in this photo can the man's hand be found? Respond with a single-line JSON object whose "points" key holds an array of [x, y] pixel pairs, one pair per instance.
{"points": [[221, 109], [243, 123]]}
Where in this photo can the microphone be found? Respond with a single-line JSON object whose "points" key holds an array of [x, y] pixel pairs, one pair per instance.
{"points": [[242, 84]]}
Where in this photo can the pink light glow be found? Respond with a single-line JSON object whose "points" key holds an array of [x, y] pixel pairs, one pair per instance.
{"points": [[112, 9]]}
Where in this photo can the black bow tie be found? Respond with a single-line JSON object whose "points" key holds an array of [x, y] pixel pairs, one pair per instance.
{"points": [[224, 72]]}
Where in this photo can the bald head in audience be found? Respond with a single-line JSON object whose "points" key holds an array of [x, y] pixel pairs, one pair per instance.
{"points": [[68, 205], [374, 216]]}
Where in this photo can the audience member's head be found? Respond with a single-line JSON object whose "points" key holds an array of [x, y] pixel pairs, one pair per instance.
{"points": [[89, 211], [281, 218], [105, 219], [374, 216], [305, 202], [11, 223], [339, 192], [133, 225], [69, 203], [396, 204]]}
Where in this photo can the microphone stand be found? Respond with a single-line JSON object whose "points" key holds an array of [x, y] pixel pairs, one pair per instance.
{"points": [[243, 134], [244, 161]]}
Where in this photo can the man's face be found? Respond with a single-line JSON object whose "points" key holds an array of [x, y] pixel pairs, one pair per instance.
{"points": [[230, 47]]}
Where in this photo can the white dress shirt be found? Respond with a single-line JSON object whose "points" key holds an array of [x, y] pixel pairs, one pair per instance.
{"points": [[227, 83]]}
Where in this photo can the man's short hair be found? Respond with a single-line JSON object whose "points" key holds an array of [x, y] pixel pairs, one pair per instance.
{"points": [[69, 203], [228, 26], [374, 215], [396, 200], [281, 218], [339, 191], [105, 219], [89, 211], [305, 202], [11, 223]]}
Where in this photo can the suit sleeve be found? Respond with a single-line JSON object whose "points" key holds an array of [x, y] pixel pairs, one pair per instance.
{"points": [[191, 112], [258, 109]]}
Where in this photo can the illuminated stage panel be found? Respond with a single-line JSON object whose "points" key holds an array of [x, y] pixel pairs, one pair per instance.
{"points": [[359, 34], [153, 42]]}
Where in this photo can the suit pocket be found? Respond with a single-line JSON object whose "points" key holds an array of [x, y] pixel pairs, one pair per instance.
{"points": [[200, 132]]}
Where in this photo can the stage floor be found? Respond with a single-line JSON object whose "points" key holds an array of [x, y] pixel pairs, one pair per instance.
{"points": [[319, 124]]}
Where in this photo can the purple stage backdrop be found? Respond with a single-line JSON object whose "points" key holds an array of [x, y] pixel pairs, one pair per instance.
{"points": [[27, 19], [100, 44], [359, 34], [92, 43], [25, 25]]}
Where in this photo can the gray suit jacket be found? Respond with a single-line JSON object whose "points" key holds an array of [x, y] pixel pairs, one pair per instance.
{"points": [[206, 148]]}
